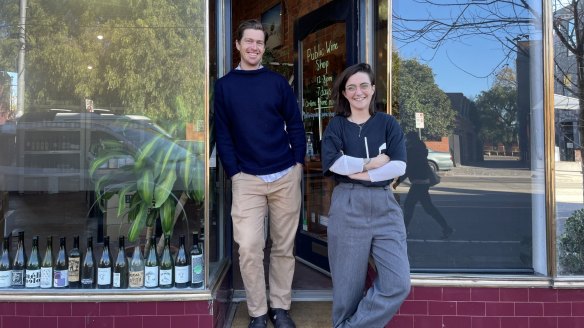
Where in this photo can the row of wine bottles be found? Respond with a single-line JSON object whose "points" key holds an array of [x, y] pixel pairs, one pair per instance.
{"points": [[76, 270]]}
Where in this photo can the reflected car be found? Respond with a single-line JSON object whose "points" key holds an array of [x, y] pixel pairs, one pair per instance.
{"points": [[55, 148], [440, 160]]}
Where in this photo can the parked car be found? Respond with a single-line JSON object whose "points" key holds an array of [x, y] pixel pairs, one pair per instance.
{"points": [[440, 160]]}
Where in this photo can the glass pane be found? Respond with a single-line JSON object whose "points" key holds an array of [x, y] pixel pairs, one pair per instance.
{"points": [[568, 136], [104, 133], [323, 58], [468, 82]]}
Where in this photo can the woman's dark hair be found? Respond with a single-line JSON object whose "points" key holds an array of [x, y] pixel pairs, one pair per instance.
{"points": [[251, 24], [341, 104]]}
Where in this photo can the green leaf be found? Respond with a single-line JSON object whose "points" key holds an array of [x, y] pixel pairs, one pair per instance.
{"points": [[135, 204], [185, 168], [146, 152], [122, 197], [139, 222], [167, 215], [198, 183], [145, 186], [167, 163], [164, 188]]}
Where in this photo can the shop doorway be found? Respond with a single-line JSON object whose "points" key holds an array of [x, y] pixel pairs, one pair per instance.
{"points": [[325, 42], [309, 43]]}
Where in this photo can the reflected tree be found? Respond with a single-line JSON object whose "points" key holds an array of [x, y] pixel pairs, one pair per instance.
{"points": [[498, 110], [507, 25], [132, 56], [415, 91]]}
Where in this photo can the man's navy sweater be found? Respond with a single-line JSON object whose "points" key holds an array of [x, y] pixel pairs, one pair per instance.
{"points": [[258, 124]]}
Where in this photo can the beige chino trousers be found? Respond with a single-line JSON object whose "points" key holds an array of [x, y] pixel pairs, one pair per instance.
{"points": [[282, 197]]}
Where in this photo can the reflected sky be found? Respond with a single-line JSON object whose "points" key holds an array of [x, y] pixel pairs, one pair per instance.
{"points": [[468, 60]]}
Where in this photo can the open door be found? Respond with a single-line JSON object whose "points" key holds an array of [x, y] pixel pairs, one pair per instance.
{"points": [[325, 43]]}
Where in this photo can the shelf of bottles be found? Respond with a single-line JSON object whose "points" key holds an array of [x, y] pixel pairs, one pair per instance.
{"points": [[88, 270], [50, 155]]}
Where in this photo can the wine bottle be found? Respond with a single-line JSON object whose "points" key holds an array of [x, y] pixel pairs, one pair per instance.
{"points": [[18, 266], [74, 264], [47, 265], [61, 274], [33, 266], [136, 275], [121, 266], [197, 264], [181, 266], [104, 267], [151, 265], [5, 265], [166, 265], [88, 267]]}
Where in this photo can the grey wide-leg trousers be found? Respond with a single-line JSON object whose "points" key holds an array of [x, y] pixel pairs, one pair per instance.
{"points": [[366, 221]]}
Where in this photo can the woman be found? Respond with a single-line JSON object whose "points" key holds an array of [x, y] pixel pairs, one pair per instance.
{"points": [[419, 173], [364, 151]]}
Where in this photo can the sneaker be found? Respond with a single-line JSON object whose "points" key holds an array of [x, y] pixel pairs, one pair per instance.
{"points": [[446, 233], [281, 319], [258, 322]]}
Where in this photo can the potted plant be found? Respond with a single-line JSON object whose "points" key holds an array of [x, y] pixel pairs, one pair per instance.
{"points": [[159, 175], [571, 244]]}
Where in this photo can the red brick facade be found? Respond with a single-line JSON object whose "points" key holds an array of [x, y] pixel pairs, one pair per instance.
{"points": [[426, 307], [449, 307], [196, 314]]}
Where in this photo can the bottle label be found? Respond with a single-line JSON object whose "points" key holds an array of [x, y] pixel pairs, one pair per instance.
{"points": [[5, 278], [197, 269], [165, 277], [117, 279], [61, 278], [104, 276], [136, 279], [46, 277], [17, 277], [181, 274], [74, 269], [151, 276], [33, 278], [87, 282]]}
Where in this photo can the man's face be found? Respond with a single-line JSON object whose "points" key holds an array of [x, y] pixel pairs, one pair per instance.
{"points": [[251, 48]]}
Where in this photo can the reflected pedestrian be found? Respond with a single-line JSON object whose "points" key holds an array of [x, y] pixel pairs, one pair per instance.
{"points": [[419, 174]]}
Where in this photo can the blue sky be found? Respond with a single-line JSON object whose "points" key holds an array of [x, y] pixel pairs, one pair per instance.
{"points": [[464, 64]]}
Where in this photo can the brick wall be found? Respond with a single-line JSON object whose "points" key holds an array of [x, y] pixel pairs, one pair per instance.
{"points": [[441, 145], [448, 307], [196, 314]]}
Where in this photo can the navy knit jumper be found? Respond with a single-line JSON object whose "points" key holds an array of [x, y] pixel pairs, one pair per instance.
{"points": [[258, 124]]}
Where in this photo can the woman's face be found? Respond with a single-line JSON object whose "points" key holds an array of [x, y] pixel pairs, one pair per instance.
{"points": [[358, 91]]}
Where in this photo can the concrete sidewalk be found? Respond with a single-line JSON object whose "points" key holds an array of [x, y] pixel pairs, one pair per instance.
{"points": [[569, 190]]}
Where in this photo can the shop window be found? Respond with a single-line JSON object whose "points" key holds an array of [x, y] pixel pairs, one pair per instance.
{"points": [[479, 83], [104, 135]]}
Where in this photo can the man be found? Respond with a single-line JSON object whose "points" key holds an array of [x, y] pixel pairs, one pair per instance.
{"points": [[261, 143]]}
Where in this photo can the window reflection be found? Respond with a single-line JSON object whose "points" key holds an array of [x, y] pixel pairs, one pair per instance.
{"points": [[468, 81], [108, 137]]}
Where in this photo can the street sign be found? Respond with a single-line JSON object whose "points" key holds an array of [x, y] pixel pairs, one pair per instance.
{"points": [[419, 120]]}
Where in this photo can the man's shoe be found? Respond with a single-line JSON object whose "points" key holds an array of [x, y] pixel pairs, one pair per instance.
{"points": [[258, 322], [281, 319]]}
